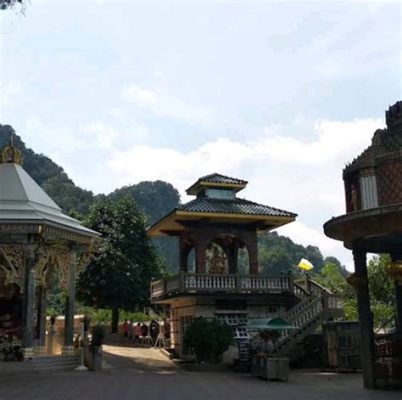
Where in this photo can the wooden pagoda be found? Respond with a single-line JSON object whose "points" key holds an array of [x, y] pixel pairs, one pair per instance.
{"points": [[219, 275]]}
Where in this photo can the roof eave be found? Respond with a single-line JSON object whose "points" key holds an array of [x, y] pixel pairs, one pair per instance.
{"points": [[274, 221]]}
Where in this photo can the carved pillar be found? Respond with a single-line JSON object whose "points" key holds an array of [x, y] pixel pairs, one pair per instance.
{"points": [[200, 252], [28, 301], [41, 319], [365, 318], [253, 253], [182, 254], [68, 348]]}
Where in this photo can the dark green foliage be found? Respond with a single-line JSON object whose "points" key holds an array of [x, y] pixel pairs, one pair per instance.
{"points": [[120, 273], [209, 339], [381, 286], [7, 4], [279, 254], [156, 199], [56, 303]]}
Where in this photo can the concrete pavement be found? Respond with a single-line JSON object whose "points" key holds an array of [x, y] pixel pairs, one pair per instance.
{"points": [[137, 374]]}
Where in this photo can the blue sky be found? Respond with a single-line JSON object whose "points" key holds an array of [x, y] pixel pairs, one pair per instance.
{"points": [[282, 94]]}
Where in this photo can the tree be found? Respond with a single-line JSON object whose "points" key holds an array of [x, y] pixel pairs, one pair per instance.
{"points": [[6, 4], [156, 199], [120, 274], [209, 339], [381, 289]]}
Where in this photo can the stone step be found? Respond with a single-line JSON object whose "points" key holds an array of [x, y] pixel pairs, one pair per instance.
{"points": [[44, 363]]}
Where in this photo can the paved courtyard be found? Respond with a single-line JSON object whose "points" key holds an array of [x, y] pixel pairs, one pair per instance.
{"points": [[137, 374]]}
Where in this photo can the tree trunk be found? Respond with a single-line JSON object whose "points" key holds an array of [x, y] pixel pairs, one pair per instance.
{"points": [[115, 319]]}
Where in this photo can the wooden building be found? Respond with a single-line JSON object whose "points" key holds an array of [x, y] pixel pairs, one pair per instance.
{"points": [[219, 275]]}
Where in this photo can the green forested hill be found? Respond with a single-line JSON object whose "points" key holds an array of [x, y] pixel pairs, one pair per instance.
{"points": [[155, 199]]}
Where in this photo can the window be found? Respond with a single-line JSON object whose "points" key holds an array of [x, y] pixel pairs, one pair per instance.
{"points": [[220, 194]]}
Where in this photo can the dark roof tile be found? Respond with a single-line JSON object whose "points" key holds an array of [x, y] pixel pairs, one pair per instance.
{"points": [[218, 178], [233, 206]]}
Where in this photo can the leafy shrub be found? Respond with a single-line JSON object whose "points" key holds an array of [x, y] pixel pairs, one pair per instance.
{"points": [[209, 339]]}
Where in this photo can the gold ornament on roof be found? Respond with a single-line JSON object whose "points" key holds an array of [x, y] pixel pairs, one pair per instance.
{"points": [[11, 154]]}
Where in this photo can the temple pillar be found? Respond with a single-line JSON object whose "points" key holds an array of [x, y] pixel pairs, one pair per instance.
{"points": [[28, 307], [253, 254], [68, 348], [200, 252], [365, 318], [398, 303], [41, 319]]}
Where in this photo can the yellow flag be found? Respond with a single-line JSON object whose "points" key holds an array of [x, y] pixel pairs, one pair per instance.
{"points": [[305, 265]]}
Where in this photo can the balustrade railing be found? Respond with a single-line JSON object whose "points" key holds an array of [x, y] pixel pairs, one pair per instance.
{"points": [[299, 291], [226, 282]]}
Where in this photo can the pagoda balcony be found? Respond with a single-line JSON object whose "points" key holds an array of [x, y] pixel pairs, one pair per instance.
{"points": [[189, 283]]}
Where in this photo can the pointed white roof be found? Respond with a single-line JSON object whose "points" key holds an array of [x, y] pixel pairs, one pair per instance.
{"points": [[22, 200]]}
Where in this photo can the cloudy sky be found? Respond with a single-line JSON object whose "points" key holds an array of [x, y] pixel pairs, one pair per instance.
{"points": [[281, 94]]}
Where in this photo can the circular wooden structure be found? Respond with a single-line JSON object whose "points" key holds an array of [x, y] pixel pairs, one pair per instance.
{"points": [[373, 222]]}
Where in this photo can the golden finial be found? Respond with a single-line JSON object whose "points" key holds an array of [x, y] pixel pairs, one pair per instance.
{"points": [[10, 153]]}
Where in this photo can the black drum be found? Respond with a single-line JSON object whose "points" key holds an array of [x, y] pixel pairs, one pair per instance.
{"points": [[154, 329]]}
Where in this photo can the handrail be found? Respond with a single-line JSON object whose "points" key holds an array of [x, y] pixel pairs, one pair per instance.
{"points": [[300, 291], [317, 285], [300, 316]]}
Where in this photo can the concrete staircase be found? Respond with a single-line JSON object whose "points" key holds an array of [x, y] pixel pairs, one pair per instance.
{"points": [[317, 305]]}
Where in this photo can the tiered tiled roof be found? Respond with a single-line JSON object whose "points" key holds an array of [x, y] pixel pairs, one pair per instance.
{"points": [[232, 206], [216, 180]]}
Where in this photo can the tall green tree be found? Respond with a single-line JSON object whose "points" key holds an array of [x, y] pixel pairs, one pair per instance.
{"points": [[120, 274], [156, 199], [381, 287]]}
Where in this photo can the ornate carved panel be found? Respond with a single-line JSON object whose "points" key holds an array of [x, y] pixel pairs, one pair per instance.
{"points": [[12, 263]]}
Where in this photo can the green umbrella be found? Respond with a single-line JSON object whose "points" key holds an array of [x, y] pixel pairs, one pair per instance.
{"points": [[269, 324]]}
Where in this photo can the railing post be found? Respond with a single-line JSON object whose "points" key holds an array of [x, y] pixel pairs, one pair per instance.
{"points": [[238, 283], [181, 281], [307, 282], [325, 304], [291, 283]]}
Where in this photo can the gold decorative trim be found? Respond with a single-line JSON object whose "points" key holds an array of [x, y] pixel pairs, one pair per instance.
{"points": [[13, 264], [11, 154]]}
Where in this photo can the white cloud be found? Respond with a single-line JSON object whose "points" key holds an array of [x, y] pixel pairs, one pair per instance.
{"points": [[139, 95], [301, 176], [162, 103], [333, 139], [10, 90]]}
